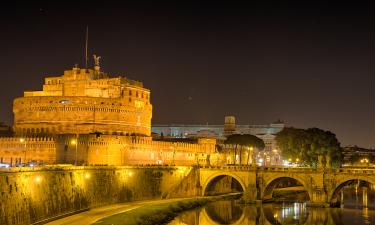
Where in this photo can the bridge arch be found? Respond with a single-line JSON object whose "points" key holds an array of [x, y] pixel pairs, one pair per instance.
{"points": [[341, 183], [211, 178], [271, 183]]}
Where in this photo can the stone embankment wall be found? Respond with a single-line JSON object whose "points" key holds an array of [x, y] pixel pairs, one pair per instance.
{"points": [[28, 196]]}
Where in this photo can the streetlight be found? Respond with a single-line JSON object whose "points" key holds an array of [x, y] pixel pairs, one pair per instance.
{"points": [[364, 160], [23, 141], [75, 142]]}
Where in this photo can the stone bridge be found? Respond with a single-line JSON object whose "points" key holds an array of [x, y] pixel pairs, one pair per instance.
{"points": [[257, 183]]}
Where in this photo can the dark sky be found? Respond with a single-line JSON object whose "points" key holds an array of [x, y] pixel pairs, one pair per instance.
{"points": [[309, 65]]}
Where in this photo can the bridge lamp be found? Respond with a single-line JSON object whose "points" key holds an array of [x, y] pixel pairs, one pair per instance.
{"points": [[297, 160]]}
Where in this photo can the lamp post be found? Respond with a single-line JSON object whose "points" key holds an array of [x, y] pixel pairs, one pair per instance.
{"points": [[23, 141], [75, 143]]}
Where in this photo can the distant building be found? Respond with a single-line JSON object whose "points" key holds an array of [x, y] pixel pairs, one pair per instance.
{"points": [[265, 132], [353, 155]]}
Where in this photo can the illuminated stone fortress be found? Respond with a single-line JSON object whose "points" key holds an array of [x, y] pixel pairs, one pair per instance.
{"points": [[86, 117], [83, 101]]}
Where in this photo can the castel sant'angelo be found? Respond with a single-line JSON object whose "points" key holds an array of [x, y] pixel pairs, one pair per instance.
{"points": [[86, 117]]}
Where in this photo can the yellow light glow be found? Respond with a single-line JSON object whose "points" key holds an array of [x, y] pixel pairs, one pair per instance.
{"points": [[22, 140], [139, 104], [251, 148], [38, 179], [297, 159], [73, 142], [130, 174], [87, 175]]}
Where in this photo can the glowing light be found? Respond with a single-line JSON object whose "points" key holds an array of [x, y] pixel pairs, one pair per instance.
{"points": [[22, 140], [130, 174], [87, 175], [73, 142], [38, 179]]}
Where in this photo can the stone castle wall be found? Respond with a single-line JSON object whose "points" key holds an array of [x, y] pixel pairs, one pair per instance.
{"points": [[106, 150], [33, 195], [84, 101], [45, 115], [19, 150]]}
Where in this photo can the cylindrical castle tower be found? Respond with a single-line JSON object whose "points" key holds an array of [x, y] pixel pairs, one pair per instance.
{"points": [[84, 101]]}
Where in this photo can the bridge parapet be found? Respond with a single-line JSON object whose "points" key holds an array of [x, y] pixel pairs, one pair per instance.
{"points": [[355, 170]]}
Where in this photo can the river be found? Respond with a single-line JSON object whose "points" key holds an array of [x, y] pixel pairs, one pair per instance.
{"points": [[358, 207]]}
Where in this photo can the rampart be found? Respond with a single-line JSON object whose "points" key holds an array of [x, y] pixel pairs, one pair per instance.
{"points": [[91, 149], [32, 195]]}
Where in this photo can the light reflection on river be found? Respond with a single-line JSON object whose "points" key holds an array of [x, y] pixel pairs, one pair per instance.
{"points": [[230, 212]]}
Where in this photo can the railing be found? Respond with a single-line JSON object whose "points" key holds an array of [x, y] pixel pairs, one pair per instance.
{"points": [[292, 169]]}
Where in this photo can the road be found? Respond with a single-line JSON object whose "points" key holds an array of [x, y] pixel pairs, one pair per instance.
{"points": [[93, 215]]}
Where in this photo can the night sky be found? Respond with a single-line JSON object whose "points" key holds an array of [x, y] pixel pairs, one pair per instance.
{"points": [[309, 65]]}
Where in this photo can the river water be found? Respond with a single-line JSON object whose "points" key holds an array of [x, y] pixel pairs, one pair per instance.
{"points": [[358, 208]]}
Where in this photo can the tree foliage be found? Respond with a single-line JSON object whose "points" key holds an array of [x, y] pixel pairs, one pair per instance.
{"points": [[244, 140], [308, 144]]}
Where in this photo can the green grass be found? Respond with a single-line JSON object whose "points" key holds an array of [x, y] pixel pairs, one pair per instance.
{"points": [[159, 213], [153, 214]]}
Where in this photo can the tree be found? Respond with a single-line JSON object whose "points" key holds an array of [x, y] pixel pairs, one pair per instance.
{"points": [[308, 144], [242, 140]]}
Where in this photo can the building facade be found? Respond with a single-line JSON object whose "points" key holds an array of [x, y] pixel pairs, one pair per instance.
{"points": [[265, 132], [84, 101], [86, 117]]}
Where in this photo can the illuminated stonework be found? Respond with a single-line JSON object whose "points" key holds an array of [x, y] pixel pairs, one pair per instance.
{"points": [[84, 101]]}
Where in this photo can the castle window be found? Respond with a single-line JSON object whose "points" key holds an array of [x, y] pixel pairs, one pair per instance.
{"points": [[130, 100], [130, 92], [136, 94], [49, 82], [142, 94]]}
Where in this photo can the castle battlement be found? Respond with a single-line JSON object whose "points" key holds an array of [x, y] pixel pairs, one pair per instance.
{"points": [[84, 101]]}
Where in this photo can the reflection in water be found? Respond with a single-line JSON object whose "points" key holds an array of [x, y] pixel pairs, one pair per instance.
{"points": [[286, 213], [359, 208]]}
